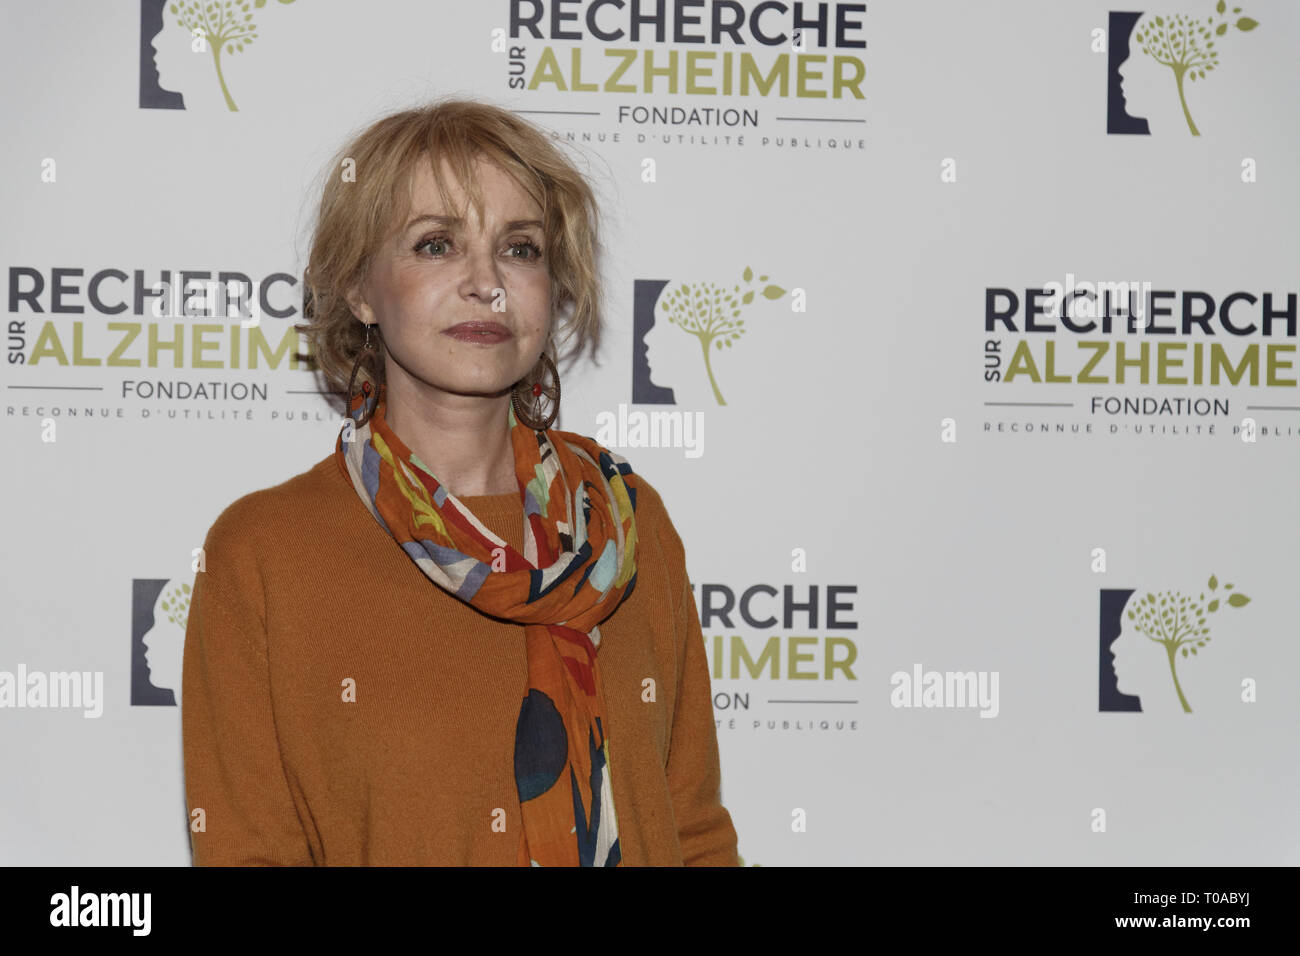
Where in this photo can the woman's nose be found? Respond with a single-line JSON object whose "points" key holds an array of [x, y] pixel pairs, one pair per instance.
{"points": [[483, 275]]}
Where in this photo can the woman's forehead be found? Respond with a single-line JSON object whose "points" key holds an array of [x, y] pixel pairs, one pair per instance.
{"points": [[500, 191]]}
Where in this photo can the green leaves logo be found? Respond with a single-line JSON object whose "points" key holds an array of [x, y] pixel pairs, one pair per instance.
{"points": [[712, 314], [1186, 46], [1180, 623], [226, 25]]}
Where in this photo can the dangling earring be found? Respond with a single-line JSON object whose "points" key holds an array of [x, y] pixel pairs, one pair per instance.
{"points": [[527, 399], [367, 406]]}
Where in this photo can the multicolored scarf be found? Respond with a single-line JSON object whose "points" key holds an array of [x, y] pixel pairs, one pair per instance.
{"points": [[577, 567]]}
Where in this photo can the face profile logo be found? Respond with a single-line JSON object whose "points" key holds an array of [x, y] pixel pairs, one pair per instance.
{"points": [[1146, 47], [221, 28], [1146, 638], [159, 614], [708, 314]]}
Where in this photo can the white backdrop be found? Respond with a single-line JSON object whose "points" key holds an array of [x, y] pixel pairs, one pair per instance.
{"points": [[849, 438]]}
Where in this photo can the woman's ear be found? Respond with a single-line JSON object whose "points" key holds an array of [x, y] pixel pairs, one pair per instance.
{"points": [[357, 303]]}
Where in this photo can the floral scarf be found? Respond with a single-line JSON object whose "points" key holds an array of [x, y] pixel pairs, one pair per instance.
{"points": [[577, 567]]}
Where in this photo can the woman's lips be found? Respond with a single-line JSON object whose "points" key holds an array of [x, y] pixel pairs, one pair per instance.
{"points": [[485, 333]]}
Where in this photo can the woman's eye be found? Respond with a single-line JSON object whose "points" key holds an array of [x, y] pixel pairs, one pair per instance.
{"points": [[525, 244], [430, 242]]}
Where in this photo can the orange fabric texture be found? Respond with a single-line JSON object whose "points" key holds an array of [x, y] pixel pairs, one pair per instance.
{"points": [[306, 602]]}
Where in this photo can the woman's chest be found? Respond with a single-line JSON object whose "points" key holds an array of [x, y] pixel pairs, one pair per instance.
{"points": [[407, 703]]}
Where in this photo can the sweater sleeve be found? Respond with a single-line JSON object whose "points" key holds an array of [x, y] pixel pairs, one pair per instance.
{"points": [[233, 765], [704, 827]]}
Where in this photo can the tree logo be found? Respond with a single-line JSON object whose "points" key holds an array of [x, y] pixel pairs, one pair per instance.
{"points": [[711, 313], [223, 28], [1186, 45], [160, 611], [1179, 623]]}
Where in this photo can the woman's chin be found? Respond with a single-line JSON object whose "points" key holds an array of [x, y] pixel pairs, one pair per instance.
{"points": [[494, 383]]}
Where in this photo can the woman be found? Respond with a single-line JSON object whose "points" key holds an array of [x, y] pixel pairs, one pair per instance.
{"points": [[506, 665]]}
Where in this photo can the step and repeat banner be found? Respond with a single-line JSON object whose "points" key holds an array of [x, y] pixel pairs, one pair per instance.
{"points": [[958, 337]]}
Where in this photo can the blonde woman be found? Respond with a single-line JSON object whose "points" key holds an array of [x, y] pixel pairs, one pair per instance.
{"points": [[464, 636]]}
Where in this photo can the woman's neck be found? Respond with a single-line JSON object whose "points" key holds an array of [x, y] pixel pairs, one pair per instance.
{"points": [[464, 440]]}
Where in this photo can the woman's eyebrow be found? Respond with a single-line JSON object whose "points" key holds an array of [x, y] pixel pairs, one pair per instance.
{"points": [[456, 221]]}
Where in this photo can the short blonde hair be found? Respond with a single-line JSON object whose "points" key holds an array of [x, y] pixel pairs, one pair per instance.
{"points": [[356, 217]]}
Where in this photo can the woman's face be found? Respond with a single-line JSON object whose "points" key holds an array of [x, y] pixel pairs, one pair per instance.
{"points": [[432, 276]]}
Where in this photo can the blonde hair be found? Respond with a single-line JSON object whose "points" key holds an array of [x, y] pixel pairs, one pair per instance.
{"points": [[356, 217]]}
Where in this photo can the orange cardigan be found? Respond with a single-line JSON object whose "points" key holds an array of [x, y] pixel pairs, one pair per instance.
{"points": [[304, 595]]}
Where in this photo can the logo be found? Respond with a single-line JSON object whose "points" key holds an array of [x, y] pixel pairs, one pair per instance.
{"points": [[213, 31], [959, 689], [74, 690], [1114, 337], [648, 49], [1147, 637], [748, 662], [680, 336], [159, 614], [1147, 50], [75, 908]]}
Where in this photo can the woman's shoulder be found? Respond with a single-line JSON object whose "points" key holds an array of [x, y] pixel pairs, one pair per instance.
{"points": [[276, 512]]}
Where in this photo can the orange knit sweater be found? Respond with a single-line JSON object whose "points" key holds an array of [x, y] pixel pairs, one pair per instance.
{"points": [[304, 596]]}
